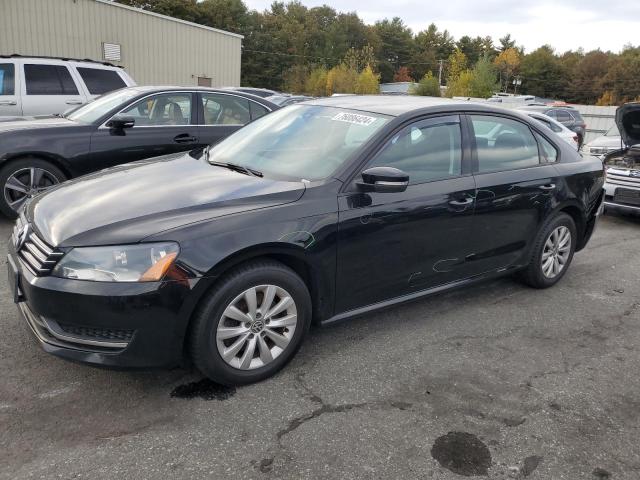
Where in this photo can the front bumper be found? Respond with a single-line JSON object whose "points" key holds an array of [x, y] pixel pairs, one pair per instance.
{"points": [[122, 325], [629, 202]]}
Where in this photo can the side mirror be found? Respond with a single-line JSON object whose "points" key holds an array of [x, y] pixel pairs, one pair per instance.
{"points": [[119, 123], [383, 180]]}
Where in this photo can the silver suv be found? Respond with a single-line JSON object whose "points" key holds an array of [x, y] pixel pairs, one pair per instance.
{"points": [[48, 86], [622, 167]]}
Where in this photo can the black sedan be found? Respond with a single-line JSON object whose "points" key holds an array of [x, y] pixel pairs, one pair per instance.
{"points": [[124, 126], [315, 213]]}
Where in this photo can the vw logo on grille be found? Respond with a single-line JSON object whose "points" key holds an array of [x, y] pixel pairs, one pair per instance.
{"points": [[22, 236]]}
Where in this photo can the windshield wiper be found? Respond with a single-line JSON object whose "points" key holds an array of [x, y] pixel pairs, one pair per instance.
{"points": [[237, 168]]}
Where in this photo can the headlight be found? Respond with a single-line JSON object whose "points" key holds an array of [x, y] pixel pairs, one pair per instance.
{"points": [[146, 262]]}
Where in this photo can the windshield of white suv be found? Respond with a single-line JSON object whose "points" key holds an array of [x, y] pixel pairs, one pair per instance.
{"points": [[92, 111], [305, 142], [612, 132]]}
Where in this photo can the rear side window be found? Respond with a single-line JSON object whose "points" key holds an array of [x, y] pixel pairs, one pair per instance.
{"points": [[7, 79], [426, 151], [225, 109], [49, 80], [99, 81], [503, 144], [548, 153], [257, 110]]}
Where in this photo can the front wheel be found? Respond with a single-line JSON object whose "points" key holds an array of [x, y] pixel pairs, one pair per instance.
{"points": [[252, 324], [24, 178], [552, 252]]}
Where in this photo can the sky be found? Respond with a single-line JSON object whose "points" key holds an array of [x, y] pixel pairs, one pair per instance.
{"points": [[563, 24]]}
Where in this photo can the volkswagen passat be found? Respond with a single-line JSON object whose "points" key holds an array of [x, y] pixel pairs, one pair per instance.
{"points": [[315, 213]]}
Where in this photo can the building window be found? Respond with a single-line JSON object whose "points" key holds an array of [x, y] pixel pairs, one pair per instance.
{"points": [[204, 82]]}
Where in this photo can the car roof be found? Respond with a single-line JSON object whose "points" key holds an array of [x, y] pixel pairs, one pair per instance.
{"points": [[398, 105], [145, 89]]}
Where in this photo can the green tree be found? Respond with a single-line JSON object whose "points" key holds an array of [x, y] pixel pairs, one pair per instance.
{"points": [[368, 82], [396, 46], [461, 85], [543, 74], [316, 83], [485, 79], [428, 86], [457, 64]]}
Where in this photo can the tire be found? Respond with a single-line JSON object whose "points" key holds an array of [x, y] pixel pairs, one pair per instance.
{"points": [[268, 279], [534, 274], [20, 170]]}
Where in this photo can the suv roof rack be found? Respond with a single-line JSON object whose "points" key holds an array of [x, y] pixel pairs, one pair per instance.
{"points": [[66, 59]]}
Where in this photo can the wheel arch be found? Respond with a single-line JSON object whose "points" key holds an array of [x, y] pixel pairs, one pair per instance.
{"points": [[290, 255], [55, 160]]}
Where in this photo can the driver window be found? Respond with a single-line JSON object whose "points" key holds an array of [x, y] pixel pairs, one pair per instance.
{"points": [[225, 109], [427, 150], [164, 109]]}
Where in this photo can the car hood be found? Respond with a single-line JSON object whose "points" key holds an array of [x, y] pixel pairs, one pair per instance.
{"points": [[31, 123], [628, 122], [605, 142], [125, 204]]}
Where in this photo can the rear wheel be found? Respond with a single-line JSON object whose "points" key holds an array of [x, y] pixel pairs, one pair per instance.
{"points": [[24, 178], [552, 252], [252, 324]]}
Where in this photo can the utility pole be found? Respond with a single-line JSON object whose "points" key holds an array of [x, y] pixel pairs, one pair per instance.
{"points": [[440, 63]]}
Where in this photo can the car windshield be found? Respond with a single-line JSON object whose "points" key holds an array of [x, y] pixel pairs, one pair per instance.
{"points": [[612, 132], [302, 142], [95, 110]]}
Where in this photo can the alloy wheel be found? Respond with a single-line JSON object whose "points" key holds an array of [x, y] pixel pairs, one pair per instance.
{"points": [[556, 252], [256, 327], [25, 183]]}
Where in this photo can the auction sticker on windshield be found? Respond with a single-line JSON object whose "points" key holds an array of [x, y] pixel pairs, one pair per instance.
{"points": [[354, 118]]}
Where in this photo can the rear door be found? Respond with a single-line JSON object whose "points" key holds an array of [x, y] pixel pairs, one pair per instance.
{"points": [[49, 89], [10, 102], [393, 244], [221, 114], [164, 124], [516, 185]]}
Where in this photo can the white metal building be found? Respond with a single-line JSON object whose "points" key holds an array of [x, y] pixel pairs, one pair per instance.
{"points": [[154, 49]]}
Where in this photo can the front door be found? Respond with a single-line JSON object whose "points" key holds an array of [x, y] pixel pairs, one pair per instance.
{"points": [[393, 244], [164, 124], [516, 186]]}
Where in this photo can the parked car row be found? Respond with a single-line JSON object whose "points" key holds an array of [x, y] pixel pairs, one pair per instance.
{"points": [[226, 254]]}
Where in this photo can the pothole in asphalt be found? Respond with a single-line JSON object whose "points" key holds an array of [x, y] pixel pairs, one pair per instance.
{"points": [[462, 453], [205, 389]]}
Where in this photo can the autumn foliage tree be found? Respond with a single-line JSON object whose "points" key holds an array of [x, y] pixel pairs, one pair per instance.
{"points": [[507, 64], [402, 75]]}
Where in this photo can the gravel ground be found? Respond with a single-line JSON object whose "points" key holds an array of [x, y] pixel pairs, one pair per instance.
{"points": [[498, 380]]}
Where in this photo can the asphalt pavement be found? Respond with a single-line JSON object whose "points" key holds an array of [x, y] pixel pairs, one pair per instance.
{"points": [[498, 379]]}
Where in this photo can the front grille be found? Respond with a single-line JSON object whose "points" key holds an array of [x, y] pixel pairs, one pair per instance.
{"points": [[629, 197], [100, 334], [624, 178], [36, 254]]}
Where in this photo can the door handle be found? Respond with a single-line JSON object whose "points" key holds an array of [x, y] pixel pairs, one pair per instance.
{"points": [[548, 187], [9, 102], [73, 102], [461, 203], [185, 138]]}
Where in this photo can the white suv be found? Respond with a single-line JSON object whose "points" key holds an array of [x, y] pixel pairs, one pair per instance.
{"points": [[48, 86]]}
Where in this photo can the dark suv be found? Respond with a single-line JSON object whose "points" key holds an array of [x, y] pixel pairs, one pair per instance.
{"points": [[566, 115], [316, 212]]}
